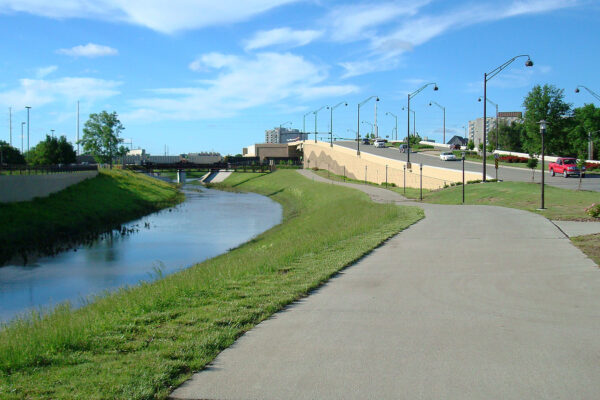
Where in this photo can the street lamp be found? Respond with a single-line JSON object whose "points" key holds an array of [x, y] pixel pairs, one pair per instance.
{"points": [[396, 118], [367, 122], [589, 90], [22, 123], [497, 122], [486, 77], [281, 127], [331, 120], [410, 96], [52, 134], [304, 125], [443, 109], [358, 123], [414, 121], [315, 113], [543, 124], [28, 108]]}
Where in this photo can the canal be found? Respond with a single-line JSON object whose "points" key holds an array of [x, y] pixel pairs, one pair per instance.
{"points": [[208, 223]]}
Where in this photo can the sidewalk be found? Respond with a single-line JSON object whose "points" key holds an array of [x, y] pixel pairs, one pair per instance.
{"points": [[472, 302]]}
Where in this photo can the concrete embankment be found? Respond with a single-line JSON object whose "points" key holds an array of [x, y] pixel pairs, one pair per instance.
{"points": [[15, 188], [215, 176]]}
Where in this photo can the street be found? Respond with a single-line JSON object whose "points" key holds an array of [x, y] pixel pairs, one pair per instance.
{"points": [[590, 182]]}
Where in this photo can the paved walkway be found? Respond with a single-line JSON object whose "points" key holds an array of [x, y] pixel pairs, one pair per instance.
{"points": [[499, 307]]}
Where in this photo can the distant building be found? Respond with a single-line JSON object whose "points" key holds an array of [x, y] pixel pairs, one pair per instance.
{"points": [[476, 126], [272, 151], [284, 135], [458, 140]]}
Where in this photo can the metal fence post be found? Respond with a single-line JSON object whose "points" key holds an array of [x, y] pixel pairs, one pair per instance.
{"points": [[386, 167], [421, 182], [404, 179]]}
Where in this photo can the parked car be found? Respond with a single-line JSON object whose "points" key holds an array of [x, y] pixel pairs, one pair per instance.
{"points": [[565, 166], [403, 148], [366, 141], [447, 156]]}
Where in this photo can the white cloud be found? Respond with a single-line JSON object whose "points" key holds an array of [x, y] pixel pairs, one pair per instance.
{"points": [[240, 83], [45, 71], [163, 16], [282, 36], [39, 92], [414, 29], [89, 50]]}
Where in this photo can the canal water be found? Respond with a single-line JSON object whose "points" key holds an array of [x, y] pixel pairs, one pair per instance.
{"points": [[207, 224]]}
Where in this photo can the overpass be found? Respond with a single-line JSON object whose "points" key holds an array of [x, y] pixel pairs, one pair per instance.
{"points": [[341, 159]]}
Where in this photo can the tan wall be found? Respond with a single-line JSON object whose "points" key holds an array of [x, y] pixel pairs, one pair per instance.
{"points": [[341, 160], [26, 187]]}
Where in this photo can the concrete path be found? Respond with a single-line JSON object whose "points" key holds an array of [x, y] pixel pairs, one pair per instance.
{"points": [[499, 307], [576, 228]]}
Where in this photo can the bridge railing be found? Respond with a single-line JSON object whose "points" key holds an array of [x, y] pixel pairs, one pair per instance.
{"points": [[19, 169]]}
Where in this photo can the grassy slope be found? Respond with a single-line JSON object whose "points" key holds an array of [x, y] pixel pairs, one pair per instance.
{"points": [[112, 198], [562, 204], [140, 342], [590, 245]]}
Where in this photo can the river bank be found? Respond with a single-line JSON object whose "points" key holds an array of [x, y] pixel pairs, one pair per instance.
{"points": [[141, 342], [79, 213]]}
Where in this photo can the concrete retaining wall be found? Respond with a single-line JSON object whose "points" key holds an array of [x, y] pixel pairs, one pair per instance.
{"points": [[341, 160], [26, 187]]}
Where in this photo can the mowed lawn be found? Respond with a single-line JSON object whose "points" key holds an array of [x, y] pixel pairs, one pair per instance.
{"points": [[141, 342]]}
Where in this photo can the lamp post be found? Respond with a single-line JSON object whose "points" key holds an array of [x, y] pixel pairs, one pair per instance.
{"points": [[358, 123], [281, 127], [28, 108], [444, 110], [543, 124], [486, 77], [410, 96], [368, 123], [414, 121], [304, 125], [396, 118], [589, 90], [315, 113], [52, 134], [22, 123], [331, 120], [497, 121]]}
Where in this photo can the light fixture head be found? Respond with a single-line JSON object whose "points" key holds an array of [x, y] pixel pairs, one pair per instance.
{"points": [[543, 124], [377, 99], [429, 103], [479, 99], [346, 104], [576, 90], [435, 88], [529, 63]]}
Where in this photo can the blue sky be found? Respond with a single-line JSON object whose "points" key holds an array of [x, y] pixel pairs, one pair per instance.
{"points": [[212, 76]]}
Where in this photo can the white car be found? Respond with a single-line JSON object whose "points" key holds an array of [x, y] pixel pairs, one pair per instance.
{"points": [[447, 156], [379, 143]]}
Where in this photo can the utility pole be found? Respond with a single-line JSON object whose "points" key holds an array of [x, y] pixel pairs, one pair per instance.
{"points": [[77, 127], [10, 125], [28, 108], [375, 124]]}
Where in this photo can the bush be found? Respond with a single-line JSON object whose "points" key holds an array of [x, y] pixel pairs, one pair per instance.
{"points": [[513, 159], [594, 210]]}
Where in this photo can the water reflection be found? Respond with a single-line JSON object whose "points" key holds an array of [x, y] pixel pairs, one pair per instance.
{"points": [[208, 223]]}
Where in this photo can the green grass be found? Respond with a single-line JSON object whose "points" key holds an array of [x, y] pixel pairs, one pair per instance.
{"points": [[141, 342], [80, 211], [561, 204], [590, 245], [410, 193]]}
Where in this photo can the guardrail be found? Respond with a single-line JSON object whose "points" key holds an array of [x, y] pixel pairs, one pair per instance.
{"points": [[44, 169]]}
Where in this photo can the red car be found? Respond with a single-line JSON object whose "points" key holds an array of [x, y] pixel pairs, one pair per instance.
{"points": [[565, 166]]}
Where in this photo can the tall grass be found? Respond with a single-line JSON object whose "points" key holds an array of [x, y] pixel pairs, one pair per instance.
{"points": [[80, 211], [140, 342]]}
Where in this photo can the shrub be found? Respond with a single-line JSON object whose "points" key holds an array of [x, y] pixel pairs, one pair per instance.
{"points": [[591, 166], [593, 210], [513, 159]]}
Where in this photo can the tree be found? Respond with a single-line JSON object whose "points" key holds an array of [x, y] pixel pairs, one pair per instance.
{"points": [[52, 151], [415, 139], [10, 155], [532, 163], [470, 145], [580, 165], [545, 102], [585, 123], [510, 136], [101, 136]]}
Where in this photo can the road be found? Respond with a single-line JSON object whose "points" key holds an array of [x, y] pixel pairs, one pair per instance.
{"points": [[590, 182], [473, 302]]}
